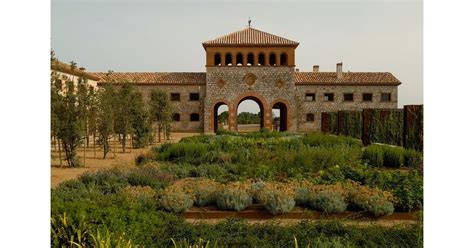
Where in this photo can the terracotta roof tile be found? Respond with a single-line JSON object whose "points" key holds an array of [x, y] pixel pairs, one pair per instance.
{"points": [[153, 77], [355, 78], [250, 36], [57, 65]]}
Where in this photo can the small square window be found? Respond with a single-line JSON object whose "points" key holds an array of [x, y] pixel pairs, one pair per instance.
{"points": [[309, 117], [348, 97], [328, 97], [367, 97], [310, 97], [194, 117], [176, 117], [386, 97], [175, 97], [194, 96]]}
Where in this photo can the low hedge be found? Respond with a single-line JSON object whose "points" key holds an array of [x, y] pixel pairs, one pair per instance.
{"points": [[391, 156]]}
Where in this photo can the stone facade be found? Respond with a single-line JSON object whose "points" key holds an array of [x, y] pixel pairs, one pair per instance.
{"points": [[319, 105], [255, 65], [184, 107], [266, 85]]}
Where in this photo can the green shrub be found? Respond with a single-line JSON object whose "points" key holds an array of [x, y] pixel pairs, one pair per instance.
{"points": [[373, 155], [184, 151], [234, 196], [109, 181], [319, 139], [175, 199], [413, 158], [277, 198], [137, 196], [328, 201], [373, 200], [204, 191], [379, 206], [302, 196], [393, 157], [149, 175]]}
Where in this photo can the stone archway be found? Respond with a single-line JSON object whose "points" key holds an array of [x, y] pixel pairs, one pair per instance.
{"points": [[284, 124], [265, 111], [214, 116]]}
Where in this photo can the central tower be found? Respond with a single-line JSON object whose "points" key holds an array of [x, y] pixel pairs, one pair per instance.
{"points": [[250, 64]]}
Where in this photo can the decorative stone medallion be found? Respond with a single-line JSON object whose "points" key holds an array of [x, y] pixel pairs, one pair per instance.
{"points": [[221, 83], [249, 79], [279, 83]]}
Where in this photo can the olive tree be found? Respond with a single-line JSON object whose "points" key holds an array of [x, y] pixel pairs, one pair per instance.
{"points": [[160, 111]]}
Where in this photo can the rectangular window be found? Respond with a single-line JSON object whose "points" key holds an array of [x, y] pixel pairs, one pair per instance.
{"points": [[367, 97], [328, 97], [309, 117], [194, 117], [348, 97], [175, 97], [310, 97], [386, 97], [193, 96]]}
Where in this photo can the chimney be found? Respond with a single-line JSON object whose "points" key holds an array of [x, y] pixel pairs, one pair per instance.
{"points": [[315, 68], [339, 70], [297, 70]]}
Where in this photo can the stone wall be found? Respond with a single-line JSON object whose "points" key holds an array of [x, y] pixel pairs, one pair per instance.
{"points": [[184, 107], [319, 105], [265, 84]]}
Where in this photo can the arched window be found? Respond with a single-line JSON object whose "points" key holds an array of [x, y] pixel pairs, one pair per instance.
{"points": [[261, 59], [250, 59], [228, 59], [176, 117], [194, 117], [240, 59], [283, 59], [272, 59], [217, 59]]}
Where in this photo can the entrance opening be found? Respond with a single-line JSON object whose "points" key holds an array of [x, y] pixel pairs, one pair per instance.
{"points": [[272, 59], [221, 116], [249, 115], [279, 117]]}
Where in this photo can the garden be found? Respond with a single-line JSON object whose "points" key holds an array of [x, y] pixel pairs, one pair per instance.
{"points": [[265, 173]]}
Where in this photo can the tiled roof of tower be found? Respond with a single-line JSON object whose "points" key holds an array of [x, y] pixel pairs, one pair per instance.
{"points": [[352, 78], [250, 37], [153, 77]]}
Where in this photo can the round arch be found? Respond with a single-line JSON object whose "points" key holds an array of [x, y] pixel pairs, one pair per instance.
{"points": [[214, 117], [263, 105], [282, 123]]}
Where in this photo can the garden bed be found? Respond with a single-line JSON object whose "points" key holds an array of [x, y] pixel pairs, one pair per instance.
{"points": [[257, 211]]}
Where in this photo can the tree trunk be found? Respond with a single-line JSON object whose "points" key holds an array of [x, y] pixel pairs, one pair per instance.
{"points": [[159, 134], [93, 142], [124, 142], [60, 158], [105, 143], [113, 144], [84, 153]]}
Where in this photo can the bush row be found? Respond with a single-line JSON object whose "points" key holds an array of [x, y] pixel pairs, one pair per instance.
{"points": [[277, 198], [390, 156]]}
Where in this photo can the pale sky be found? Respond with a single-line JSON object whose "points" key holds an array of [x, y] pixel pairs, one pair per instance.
{"points": [[166, 36]]}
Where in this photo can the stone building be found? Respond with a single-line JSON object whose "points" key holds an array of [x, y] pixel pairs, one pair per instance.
{"points": [[65, 73], [252, 64]]}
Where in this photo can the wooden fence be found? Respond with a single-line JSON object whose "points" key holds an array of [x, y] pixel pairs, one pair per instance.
{"points": [[402, 127]]}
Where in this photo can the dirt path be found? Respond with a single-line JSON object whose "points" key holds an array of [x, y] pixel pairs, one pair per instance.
{"points": [[59, 174]]}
